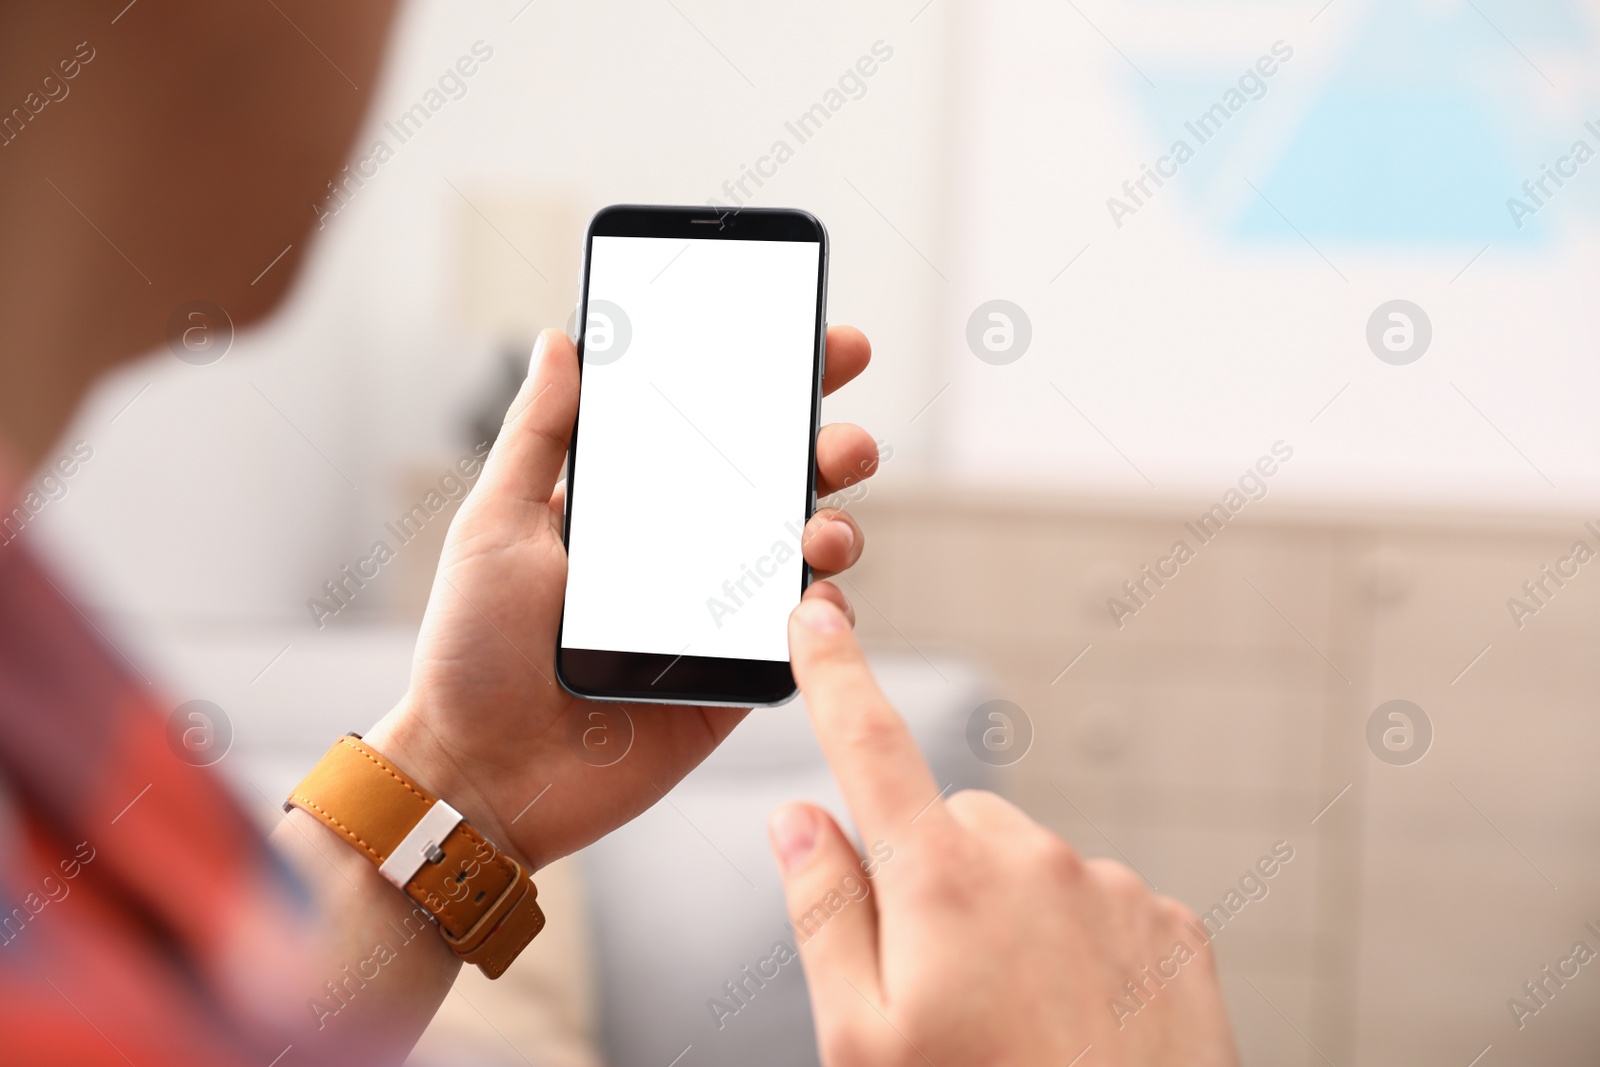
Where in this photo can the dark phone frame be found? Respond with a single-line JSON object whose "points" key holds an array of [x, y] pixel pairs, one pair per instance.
{"points": [[658, 678]]}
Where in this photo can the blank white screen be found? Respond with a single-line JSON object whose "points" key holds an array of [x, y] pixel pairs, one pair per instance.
{"points": [[689, 484]]}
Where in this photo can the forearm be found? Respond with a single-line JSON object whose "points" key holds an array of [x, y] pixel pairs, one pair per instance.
{"points": [[383, 969]]}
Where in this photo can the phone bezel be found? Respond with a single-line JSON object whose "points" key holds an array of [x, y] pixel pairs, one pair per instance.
{"points": [[660, 678]]}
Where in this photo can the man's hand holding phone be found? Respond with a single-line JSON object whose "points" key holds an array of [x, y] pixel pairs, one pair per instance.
{"points": [[484, 722], [987, 939]]}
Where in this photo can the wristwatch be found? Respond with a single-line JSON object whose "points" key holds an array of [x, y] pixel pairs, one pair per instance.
{"points": [[482, 900]]}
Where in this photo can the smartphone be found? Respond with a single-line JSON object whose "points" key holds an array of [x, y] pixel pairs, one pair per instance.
{"points": [[692, 469]]}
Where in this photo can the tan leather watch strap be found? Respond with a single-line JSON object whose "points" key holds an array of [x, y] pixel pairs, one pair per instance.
{"points": [[483, 901]]}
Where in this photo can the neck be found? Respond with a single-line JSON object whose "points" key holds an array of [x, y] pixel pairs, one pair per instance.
{"points": [[65, 319]]}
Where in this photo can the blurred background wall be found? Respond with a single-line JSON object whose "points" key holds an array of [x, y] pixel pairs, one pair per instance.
{"points": [[1164, 338]]}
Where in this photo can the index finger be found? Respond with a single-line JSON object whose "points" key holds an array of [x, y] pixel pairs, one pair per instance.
{"points": [[845, 355], [885, 781]]}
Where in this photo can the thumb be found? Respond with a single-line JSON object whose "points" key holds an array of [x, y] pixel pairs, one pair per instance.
{"points": [[527, 457], [831, 907]]}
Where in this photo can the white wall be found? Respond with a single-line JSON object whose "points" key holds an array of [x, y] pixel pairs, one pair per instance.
{"points": [[977, 165], [1204, 328], [380, 355]]}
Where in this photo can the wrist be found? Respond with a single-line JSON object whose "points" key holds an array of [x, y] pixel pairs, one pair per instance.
{"points": [[404, 738], [478, 893]]}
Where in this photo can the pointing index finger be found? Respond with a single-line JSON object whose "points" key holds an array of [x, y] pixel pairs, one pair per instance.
{"points": [[885, 781]]}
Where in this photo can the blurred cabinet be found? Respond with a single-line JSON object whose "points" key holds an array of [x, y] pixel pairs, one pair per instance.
{"points": [[1227, 709]]}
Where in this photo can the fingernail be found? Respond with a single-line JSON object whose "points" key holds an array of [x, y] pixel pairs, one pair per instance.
{"points": [[538, 354], [819, 615], [794, 834]]}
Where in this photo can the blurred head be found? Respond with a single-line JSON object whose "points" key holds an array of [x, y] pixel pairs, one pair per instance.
{"points": [[166, 156], [51, 487]]}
